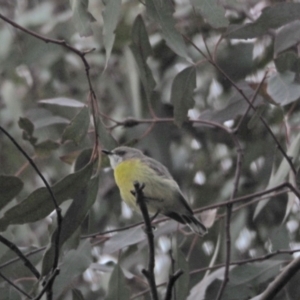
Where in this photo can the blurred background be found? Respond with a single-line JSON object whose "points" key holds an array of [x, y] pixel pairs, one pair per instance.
{"points": [[138, 52]]}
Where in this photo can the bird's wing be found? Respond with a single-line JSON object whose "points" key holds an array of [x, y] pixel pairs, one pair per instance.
{"points": [[162, 171], [159, 168], [185, 203]]}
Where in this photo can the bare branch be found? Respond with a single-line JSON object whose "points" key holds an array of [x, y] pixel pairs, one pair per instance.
{"points": [[26, 261], [149, 274]]}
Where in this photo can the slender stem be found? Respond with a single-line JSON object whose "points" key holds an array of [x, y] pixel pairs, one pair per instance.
{"points": [[26, 261], [15, 286], [238, 263], [57, 208], [171, 283], [149, 274], [281, 280]]}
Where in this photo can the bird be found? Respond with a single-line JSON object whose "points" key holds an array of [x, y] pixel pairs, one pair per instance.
{"points": [[161, 192]]}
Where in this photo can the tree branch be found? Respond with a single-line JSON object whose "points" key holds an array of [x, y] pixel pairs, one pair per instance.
{"points": [[281, 280], [26, 261], [56, 206], [15, 286], [171, 283], [149, 274]]}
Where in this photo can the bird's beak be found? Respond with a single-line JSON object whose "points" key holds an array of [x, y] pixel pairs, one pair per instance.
{"points": [[107, 152]]}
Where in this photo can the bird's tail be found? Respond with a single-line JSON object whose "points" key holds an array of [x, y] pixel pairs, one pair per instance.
{"points": [[195, 225]]}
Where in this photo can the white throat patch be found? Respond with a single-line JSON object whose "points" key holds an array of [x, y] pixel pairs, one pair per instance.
{"points": [[115, 160]]}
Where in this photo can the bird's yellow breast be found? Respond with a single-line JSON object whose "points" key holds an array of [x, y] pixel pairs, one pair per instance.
{"points": [[126, 173], [159, 192]]}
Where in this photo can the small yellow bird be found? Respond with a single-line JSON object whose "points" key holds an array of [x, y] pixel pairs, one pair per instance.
{"points": [[162, 193]]}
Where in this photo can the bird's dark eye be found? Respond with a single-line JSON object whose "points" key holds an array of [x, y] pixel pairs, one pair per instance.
{"points": [[120, 152]]}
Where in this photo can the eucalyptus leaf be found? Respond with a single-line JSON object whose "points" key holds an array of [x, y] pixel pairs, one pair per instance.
{"points": [[45, 148], [212, 11], [287, 37], [283, 88], [77, 129], [39, 204], [117, 288], [279, 176], [182, 94], [110, 14], [75, 262], [73, 218], [162, 13], [62, 101], [272, 17], [182, 283], [82, 17], [141, 50], [10, 187]]}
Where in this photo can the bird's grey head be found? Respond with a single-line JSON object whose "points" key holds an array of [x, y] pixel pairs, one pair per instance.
{"points": [[120, 154]]}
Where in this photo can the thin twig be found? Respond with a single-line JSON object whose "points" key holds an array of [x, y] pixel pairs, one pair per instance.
{"points": [[238, 263], [15, 286], [252, 100], [149, 274], [9, 262], [240, 91], [229, 213], [281, 280], [26, 261], [57, 208], [47, 284], [171, 283]]}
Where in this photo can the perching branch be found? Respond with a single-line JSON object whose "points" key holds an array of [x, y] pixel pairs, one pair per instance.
{"points": [[149, 274]]}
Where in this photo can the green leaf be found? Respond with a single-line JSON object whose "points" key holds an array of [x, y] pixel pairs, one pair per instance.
{"points": [[45, 148], [74, 264], [123, 239], [61, 101], [106, 139], [279, 176], [117, 287], [212, 11], [287, 37], [283, 88], [271, 18], [26, 125], [237, 106], [286, 61], [182, 94], [141, 50], [7, 291], [236, 60], [82, 18], [182, 283], [78, 127], [73, 218], [245, 279], [111, 14], [10, 187], [254, 120], [77, 295], [18, 269], [39, 204], [162, 13], [28, 129], [83, 159], [50, 120]]}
